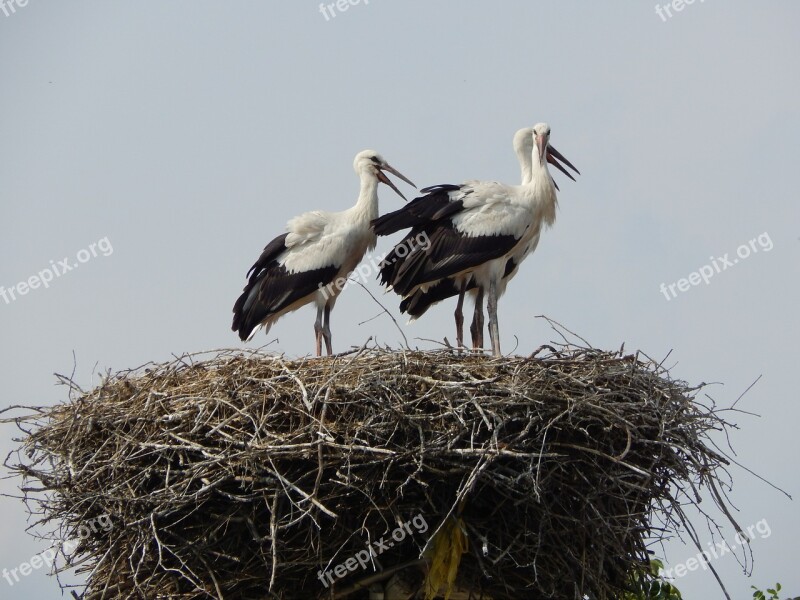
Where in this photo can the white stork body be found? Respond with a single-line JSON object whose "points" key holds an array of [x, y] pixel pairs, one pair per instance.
{"points": [[312, 260], [478, 232], [417, 304]]}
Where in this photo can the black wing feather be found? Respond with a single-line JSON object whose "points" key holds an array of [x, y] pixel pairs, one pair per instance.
{"points": [[419, 302], [448, 254], [270, 253], [394, 258], [271, 288], [435, 205]]}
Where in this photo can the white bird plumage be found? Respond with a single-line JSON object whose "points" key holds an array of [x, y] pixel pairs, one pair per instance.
{"points": [[479, 231], [312, 260], [417, 303]]}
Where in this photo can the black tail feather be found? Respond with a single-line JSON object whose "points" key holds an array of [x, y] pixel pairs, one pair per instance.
{"points": [[419, 302]]}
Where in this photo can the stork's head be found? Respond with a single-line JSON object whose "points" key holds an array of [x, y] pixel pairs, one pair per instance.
{"points": [[523, 141], [541, 137], [372, 164], [546, 152]]}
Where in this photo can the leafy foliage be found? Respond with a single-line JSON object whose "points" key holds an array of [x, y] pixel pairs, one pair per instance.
{"points": [[773, 593], [646, 584]]}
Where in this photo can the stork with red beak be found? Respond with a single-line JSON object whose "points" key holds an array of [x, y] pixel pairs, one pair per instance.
{"points": [[312, 260], [479, 232]]}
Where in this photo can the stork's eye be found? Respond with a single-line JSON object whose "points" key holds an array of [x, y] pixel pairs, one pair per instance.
{"points": [[375, 160]]}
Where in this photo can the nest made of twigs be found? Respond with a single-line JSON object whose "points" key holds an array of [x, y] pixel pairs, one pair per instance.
{"points": [[247, 476]]}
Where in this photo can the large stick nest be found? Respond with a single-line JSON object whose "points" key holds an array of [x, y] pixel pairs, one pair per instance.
{"points": [[247, 476]]}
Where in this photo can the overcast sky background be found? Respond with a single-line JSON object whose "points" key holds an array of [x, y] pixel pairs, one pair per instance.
{"points": [[188, 132]]}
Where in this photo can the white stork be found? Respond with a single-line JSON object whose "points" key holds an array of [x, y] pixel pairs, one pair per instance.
{"points": [[418, 302], [311, 261], [478, 233]]}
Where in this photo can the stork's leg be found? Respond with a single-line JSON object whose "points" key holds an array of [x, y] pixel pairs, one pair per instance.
{"points": [[459, 314], [326, 330], [318, 330], [476, 329], [491, 308]]}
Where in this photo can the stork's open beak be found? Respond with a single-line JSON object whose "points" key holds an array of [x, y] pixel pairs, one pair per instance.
{"points": [[551, 159], [384, 179], [553, 154]]}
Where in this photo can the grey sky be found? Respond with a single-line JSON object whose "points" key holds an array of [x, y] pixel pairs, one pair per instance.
{"points": [[187, 133]]}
